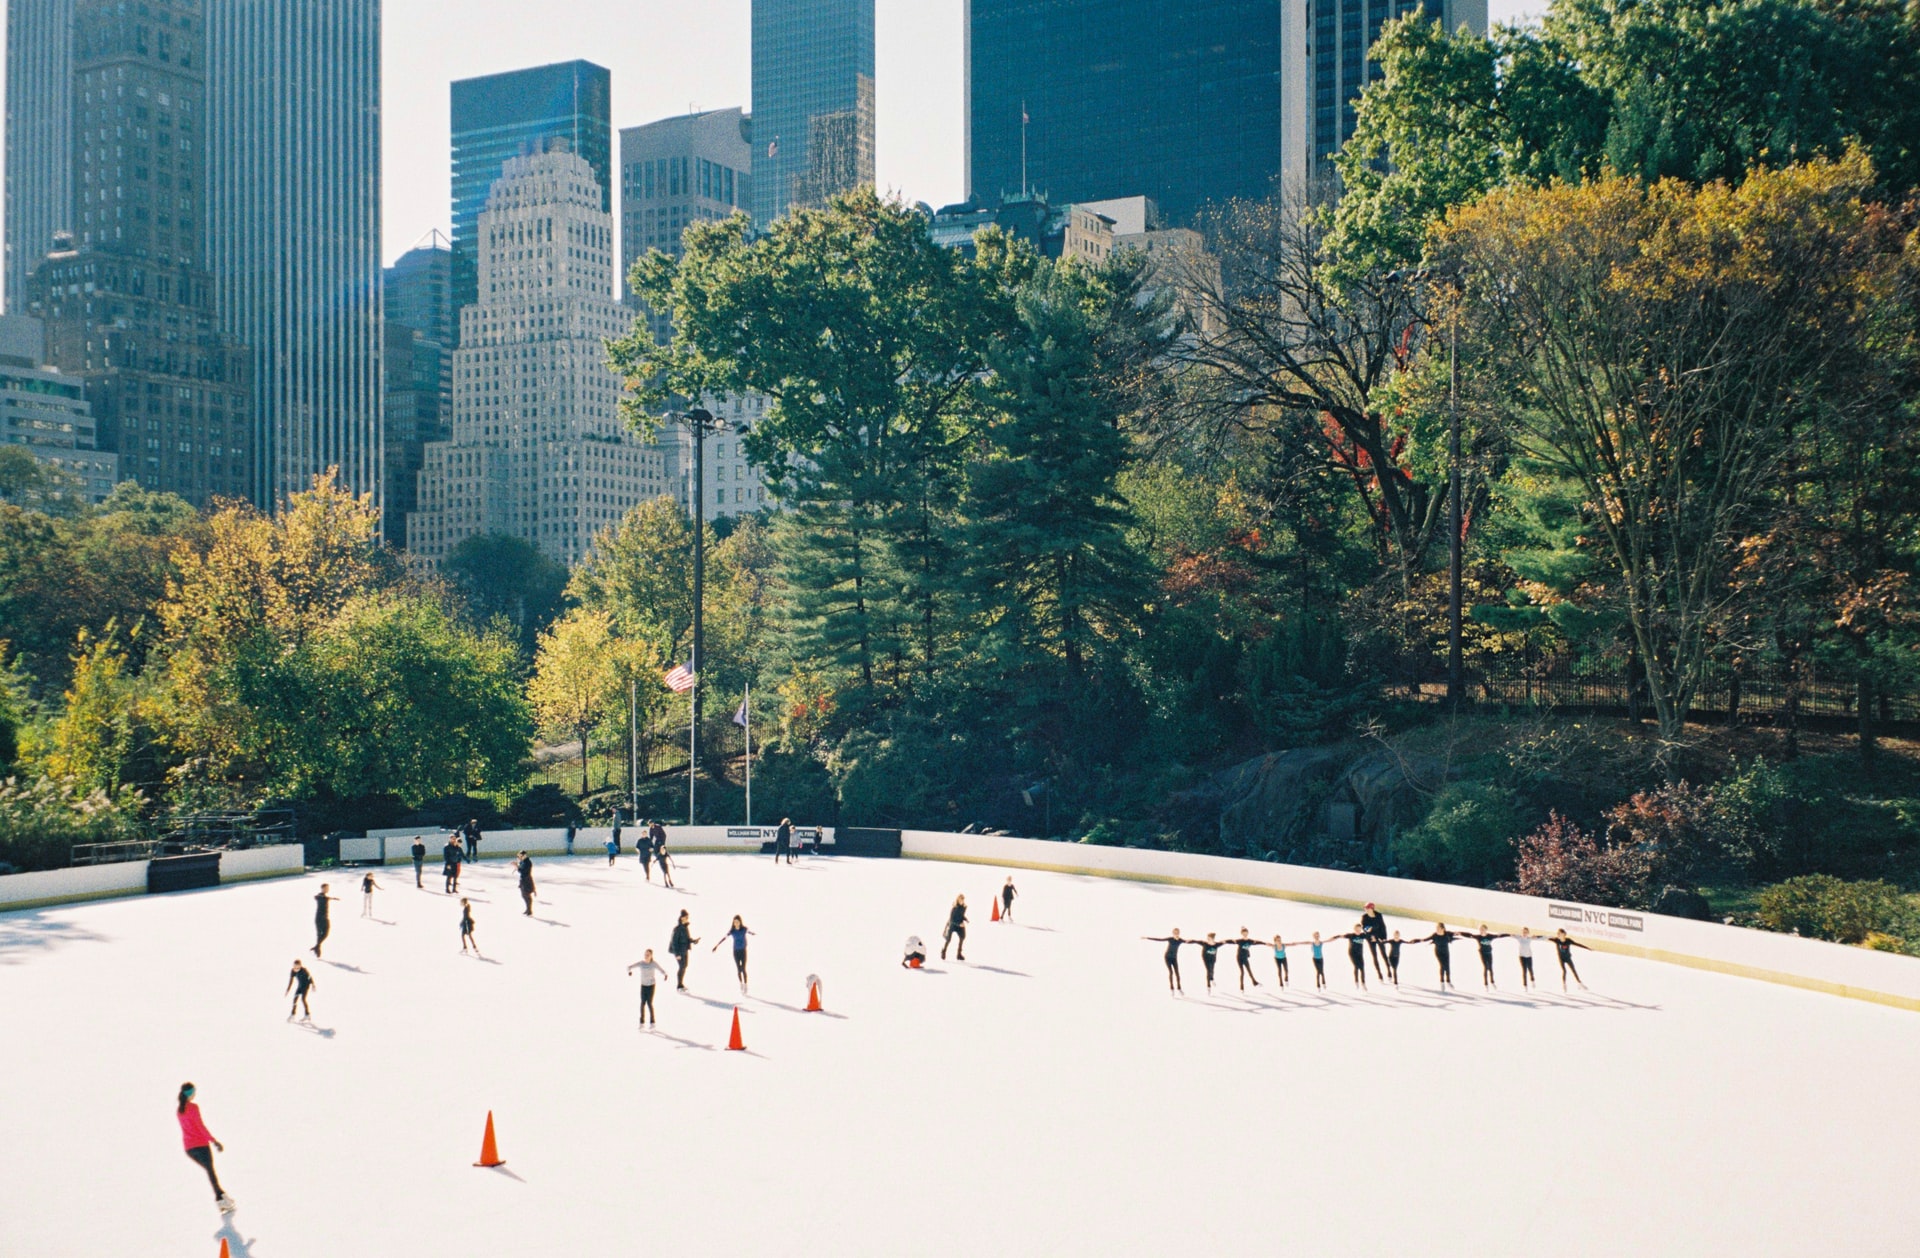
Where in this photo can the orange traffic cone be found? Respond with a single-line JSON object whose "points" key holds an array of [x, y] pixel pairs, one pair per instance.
{"points": [[996, 911], [735, 1044], [489, 1151], [224, 1251], [813, 998]]}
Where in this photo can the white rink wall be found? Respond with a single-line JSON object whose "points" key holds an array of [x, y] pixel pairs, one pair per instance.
{"points": [[1883, 977], [394, 847], [99, 882]]}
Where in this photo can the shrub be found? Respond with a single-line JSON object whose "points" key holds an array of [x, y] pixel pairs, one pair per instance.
{"points": [[1826, 907], [1467, 836], [1679, 830], [1561, 861], [41, 820]]}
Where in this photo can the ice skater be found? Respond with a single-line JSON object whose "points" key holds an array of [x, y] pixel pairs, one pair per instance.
{"points": [[466, 927], [1243, 958], [1375, 928], [367, 887], [1319, 960], [322, 919], [644, 845], [737, 932], [472, 834], [1484, 938], [1563, 946], [1173, 943], [619, 827], [300, 981], [450, 858], [1210, 953], [419, 861], [1393, 958], [613, 850], [200, 1143], [1007, 894], [783, 841], [1525, 942], [956, 928], [1280, 960], [1442, 941], [915, 954], [666, 866], [680, 946], [525, 866], [1357, 939], [650, 976], [572, 830]]}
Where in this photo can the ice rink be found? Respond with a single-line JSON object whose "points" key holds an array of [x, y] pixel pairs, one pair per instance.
{"points": [[1046, 1097]]}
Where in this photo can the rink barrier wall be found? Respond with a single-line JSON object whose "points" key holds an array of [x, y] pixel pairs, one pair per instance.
{"points": [[1813, 964], [45, 887], [393, 847]]}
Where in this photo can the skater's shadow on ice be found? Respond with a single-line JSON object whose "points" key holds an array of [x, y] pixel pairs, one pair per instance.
{"points": [[324, 1032], [1024, 926], [716, 1004], [237, 1245], [24, 932], [1586, 1000], [774, 1004], [379, 921], [994, 969], [342, 965], [678, 1042], [548, 921], [504, 1173], [488, 960]]}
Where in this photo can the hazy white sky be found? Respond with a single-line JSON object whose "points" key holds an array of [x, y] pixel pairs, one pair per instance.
{"points": [[664, 55]]}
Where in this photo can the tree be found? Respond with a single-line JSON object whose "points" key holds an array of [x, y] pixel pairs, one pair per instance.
{"points": [[640, 576], [577, 679], [1659, 344], [499, 575]]}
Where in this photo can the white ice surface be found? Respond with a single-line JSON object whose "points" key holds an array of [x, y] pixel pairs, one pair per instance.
{"points": [[1048, 1097]]}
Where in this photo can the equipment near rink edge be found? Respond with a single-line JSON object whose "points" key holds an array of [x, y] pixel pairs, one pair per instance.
{"points": [[489, 1151], [996, 910], [813, 994], [224, 1251], [734, 1043]]}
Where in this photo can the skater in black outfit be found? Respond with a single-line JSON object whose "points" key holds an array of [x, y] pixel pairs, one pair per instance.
{"points": [[1173, 943], [1564, 946], [419, 860], [644, 845], [571, 831], [956, 928], [367, 886], [322, 925], [472, 833], [525, 866], [1007, 893], [1484, 938], [1243, 958], [466, 927], [1209, 953], [650, 974], [1393, 958], [302, 979], [619, 827], [783, 841], [200, 1143], [738, 932], [1442, 941], [1356, 952], [1375, 927], [680, 946], [450, 858]]}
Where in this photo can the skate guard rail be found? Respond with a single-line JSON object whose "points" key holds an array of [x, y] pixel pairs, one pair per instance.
{"points": [[45, 887], [1860, 973]]}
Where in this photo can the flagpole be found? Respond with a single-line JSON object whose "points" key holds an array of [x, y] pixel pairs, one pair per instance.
{"points": [[693, 723], [747, 704], [633, 745]]}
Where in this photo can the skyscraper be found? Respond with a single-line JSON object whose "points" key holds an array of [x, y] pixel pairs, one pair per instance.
{"points": [[128, 303], [418, 294], [502, 116], [678, 171], [812, 102], [46, 412], [538, 449], [1084, 100], [1339, 35], [39, 152], [293, 229]]}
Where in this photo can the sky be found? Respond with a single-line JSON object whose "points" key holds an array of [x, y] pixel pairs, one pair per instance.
{"points": [[665, 56]]}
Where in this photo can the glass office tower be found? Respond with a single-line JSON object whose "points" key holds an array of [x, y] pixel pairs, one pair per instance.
{"points": [[39, 152], [812, 102], [501, 116]]}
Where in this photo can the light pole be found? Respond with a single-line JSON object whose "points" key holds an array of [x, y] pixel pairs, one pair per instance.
{"points": [[699, 422]]}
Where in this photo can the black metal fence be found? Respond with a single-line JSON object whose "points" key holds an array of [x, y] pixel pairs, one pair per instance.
{"points": [[1758, 696]]}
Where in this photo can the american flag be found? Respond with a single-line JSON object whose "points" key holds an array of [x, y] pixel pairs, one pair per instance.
{"points": [[680, 678]]}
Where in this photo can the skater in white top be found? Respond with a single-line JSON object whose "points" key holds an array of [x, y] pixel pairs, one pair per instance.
{"points": [[650, 976], [1525, 940]]}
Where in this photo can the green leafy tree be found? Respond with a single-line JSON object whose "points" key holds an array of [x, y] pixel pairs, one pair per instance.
{"points": [[498, 575]]}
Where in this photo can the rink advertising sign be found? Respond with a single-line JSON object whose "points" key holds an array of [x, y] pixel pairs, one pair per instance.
{"points": [[748, 832], [1603, 921]]}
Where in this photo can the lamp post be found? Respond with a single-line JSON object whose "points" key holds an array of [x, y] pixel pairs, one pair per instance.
{"points": [[699, 422]]}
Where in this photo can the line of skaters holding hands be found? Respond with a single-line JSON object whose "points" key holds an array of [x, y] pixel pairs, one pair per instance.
{"points": [[1369, 937]]}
